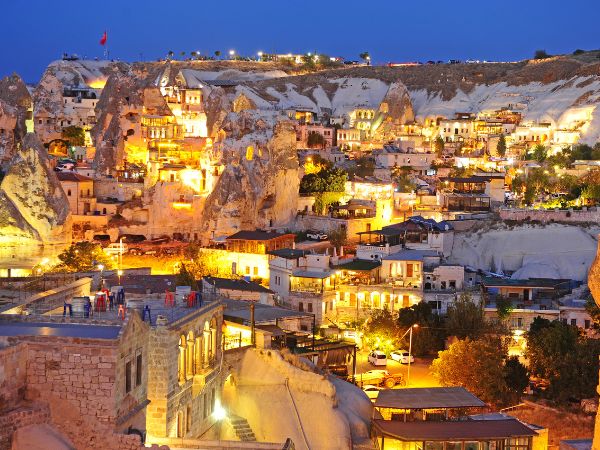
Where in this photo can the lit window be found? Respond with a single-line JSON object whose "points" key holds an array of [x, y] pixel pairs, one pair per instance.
{"points": [[249, 153]]}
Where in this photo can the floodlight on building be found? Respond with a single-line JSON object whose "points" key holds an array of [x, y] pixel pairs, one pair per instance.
{"points": [[219, 412]]}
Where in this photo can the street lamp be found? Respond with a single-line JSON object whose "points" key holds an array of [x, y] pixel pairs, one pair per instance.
{"points": [[260, 55], [119, 273], [410, 330], [101, 269], [231, 53]]}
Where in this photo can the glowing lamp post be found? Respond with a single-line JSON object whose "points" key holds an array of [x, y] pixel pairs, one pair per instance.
{"points": [[101, 269], [231, 54], [119, 273], [410, 330]]}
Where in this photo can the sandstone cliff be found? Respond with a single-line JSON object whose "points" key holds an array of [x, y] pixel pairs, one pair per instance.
{"points": [[259, 183], [15, 106], [33, 206]]}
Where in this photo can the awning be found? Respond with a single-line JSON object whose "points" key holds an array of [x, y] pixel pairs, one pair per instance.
{"points": [[468, 430]]}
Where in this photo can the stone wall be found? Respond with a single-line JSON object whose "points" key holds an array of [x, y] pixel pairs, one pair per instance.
{"points": [[13, 369], [551, 215], [21, 417]]}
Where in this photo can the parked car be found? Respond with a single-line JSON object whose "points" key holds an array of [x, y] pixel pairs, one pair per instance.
{"points": [[402, 356], [372, 391], [316, 236], [380, 377], [377, 358]]}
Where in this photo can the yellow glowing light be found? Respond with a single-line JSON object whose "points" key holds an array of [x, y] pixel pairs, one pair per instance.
{"points": [[180, 205], [97, 84], [219, 412], [191, 178]]}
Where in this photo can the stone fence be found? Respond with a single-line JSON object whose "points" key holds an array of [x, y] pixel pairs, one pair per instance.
{"points": [[206, 445], [551, 215]]}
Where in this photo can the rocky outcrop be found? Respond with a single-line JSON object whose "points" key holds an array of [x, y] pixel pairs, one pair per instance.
{"points": [[15, 106], [33, 206], [259, 183], [117, 133]]}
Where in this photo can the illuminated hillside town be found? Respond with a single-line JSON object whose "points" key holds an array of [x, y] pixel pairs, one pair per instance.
{"points": [[214, 250]]}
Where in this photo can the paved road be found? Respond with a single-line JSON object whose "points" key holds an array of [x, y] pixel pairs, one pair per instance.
{"points": [[419, 370]]}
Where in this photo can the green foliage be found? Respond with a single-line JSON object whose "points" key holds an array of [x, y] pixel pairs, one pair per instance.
{"points": [[465, 318], [75, 136], [578, 52], [504, 307], [381, 331], [365, 167], [323, 200], [539, 153], [541, 54], [478, 366], [593, 310], [207, 262], [429, 336], [327, 180], [83, 257], [217, 53], [568, 360], [501, 146], [338, 237], [516, 375], [438, 146], [365, 56], [185, 277], [591, 193], [315, 140]]}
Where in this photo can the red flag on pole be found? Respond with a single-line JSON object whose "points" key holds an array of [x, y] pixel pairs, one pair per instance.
{"points": [[103, 39]]}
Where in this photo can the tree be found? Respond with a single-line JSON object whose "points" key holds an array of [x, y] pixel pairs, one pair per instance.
{"points": [[476, 365], [541, 54], [516, 376], [504, 307], [83, 257], [429, 336], [171, 54], [75, 136], [501, 146], [465, 318], [365, 57], [185, 277], [438, 146], [182, 54], [217, 53], [208, 262], [539, 153], [569, 361], [327, 180], [381, 331], [578, 52], [315, 140]]}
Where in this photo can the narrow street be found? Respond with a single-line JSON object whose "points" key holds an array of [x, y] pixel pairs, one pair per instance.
{"points": [[420, 375]]}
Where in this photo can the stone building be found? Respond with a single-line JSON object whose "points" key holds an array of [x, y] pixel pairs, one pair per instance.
{"points": [[87, 381], [185, 372]]}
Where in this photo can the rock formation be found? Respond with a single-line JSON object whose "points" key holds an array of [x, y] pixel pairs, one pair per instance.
{"points": [[15, 108], [117, 134], [594, 285], [259, 183], [33, 206]]}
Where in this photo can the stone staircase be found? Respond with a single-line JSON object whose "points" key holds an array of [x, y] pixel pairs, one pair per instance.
{"points": [[242, 428]]}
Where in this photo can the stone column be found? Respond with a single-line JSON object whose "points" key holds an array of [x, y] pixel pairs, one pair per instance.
{"points": [[594, 285]]}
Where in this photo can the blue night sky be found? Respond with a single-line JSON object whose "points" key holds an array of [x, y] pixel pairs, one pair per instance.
{"points": [[35, 32]]}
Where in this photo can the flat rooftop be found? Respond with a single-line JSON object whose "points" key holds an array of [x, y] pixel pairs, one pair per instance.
{"points": [[89, 331], [427, 398], [468, 430], [239, 311]]}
